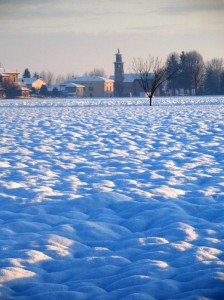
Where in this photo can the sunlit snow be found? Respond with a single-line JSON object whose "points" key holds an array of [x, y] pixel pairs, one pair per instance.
{"points": [[112, 199]]}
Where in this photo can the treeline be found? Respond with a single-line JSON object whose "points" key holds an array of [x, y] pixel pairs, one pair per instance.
{"points": [[195, 76]]}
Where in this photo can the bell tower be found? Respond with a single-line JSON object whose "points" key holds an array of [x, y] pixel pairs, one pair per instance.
{"points": [[118, 75]]}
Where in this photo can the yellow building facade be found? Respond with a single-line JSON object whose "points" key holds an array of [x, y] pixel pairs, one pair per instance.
{"points": [[95, 86]]}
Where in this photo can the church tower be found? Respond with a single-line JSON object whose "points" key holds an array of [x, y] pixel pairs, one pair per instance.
{"points": [[118, 75]]}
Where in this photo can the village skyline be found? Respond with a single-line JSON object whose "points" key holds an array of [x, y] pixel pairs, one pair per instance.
{"points": [[78, 36], [182, 74]]}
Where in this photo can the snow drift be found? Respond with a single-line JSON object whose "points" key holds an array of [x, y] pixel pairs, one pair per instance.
{"points": [[112, 200]]}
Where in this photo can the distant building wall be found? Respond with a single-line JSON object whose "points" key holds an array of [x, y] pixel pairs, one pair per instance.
{"points": [[128, 89], [74, 90], [8, 77], [22, 92], [95, 86]]}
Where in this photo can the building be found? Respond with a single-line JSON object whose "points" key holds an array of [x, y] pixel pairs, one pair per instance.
{"points": [[94, 86], [8, 80], [8, 77], [74, 90], [33, 82], [10, 86], [22, 92], [126, 84], [118, 75], [132, 86]]}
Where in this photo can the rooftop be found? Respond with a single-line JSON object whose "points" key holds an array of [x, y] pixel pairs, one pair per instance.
{"points": [[130, 77], [22, 88], [72, 84], [89, 78], [29, 80], [5, 71]]}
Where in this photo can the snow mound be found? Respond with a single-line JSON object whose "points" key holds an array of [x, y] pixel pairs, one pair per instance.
{"points": [[112, 200]]}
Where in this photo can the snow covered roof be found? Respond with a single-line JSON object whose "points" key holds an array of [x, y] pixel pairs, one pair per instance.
{"points": [[5, 74], [22, 88], [29, 80], [5, 71], [89, 78], [130, 77], [72, 84]]}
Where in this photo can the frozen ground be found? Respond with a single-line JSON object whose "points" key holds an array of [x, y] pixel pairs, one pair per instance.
{"points": [[112, 200]]}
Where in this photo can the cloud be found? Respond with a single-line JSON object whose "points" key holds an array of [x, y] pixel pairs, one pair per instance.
{"points": [[69, 16], [47, 16], [70, 8], [192, 6], [28, 11]]}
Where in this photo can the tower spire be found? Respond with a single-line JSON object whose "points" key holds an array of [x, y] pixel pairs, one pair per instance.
{"points": [[118, 75]]}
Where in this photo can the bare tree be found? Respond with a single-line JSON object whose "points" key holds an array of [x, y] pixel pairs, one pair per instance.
{"points": [[173, 63], [69, 76], [152, 73], [59, 79], [197, 68], [214, 70], [192, 71], [48, 77], [36, 75], [96, 72]]}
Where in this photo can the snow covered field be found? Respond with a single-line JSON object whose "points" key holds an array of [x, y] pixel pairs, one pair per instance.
{"points": [[112, 199]]}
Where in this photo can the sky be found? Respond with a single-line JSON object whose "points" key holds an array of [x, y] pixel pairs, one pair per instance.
{"points": [[76, 36]]}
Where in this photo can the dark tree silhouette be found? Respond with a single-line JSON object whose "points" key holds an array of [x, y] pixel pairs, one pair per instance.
{"points": [[213, 77], [55, 92], [173, 63], [152, 74], [43, 90], [26, 73], [191, 71]]}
